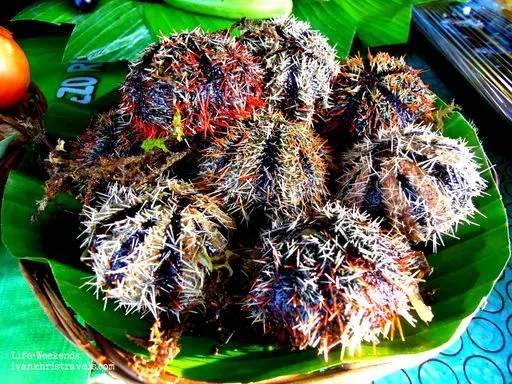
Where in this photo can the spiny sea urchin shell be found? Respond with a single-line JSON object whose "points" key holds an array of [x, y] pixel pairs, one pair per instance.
{"points": [[336, 280], [191, 83], [421, 182], [152, 248], [108, 135], [381, 92], [268, 163], [299, 64]]}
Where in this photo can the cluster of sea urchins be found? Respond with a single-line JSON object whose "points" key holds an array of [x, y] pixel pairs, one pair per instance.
{"points": [[188, 86], [336, 279], [328, 275]]}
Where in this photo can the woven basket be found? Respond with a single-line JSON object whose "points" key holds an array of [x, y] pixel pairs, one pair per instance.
{"points": [[103, 351]]}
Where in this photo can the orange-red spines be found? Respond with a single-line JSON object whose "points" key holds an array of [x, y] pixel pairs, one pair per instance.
{"points": [[192, 84], [379, 93]]}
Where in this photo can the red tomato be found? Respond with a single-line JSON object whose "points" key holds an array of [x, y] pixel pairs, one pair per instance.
{"points": [[14, 71]]}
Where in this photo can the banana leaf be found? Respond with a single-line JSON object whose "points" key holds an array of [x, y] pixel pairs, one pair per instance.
{"points": [[465, 270], [121, 29]]}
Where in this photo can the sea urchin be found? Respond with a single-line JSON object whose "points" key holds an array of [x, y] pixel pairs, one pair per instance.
{"points": [[191, 83], [382, 92], [269, 164], [336, 280], [152, 248], [419, 181], [298, 61]]}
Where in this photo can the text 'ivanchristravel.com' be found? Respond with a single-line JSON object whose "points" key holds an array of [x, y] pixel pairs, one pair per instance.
{"points": [[53, 361]]}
